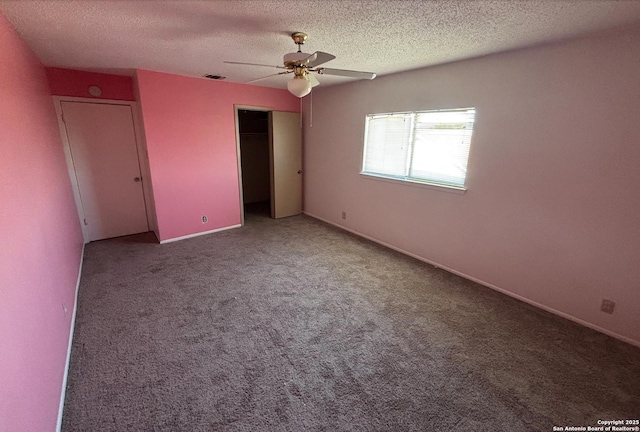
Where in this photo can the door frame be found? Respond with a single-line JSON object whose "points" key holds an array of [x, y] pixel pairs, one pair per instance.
{"points": [[237, 108], [141, 149]]}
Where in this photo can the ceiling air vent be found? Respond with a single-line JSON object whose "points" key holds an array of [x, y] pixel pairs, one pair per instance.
{"points": [[214, 77]]}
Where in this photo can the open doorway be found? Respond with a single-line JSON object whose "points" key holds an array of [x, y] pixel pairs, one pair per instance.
{"points": [[253, 134], [269, 162]]}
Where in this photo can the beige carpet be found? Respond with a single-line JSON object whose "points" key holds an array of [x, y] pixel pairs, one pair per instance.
{"points": [[292, 325]]}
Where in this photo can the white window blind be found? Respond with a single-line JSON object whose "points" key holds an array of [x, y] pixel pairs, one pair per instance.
{"points": [[388, 144], [425, 146]]}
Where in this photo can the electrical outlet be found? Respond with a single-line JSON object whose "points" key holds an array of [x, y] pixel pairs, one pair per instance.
{"points": [[205, 219], [607, 306], [344, 215]]}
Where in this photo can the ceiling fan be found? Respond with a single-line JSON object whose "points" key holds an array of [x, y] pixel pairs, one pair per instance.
{"points": [[301, 65]]}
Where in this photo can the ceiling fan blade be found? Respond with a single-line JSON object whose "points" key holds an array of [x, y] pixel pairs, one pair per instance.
{"points": [[254, 64], [312, 79], [346, 73], [317, 58], [268, 76]]}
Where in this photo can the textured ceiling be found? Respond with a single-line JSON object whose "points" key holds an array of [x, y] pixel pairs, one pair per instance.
{"points": [[194, 37]]}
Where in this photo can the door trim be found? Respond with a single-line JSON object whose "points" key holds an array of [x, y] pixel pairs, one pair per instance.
{"points": [[141, 149]]}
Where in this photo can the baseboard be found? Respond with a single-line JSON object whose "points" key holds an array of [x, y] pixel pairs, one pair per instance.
{"points": [[487, 284], [71, 330], [199, 234]]}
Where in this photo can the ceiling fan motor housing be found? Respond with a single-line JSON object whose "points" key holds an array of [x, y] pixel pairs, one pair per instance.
{"points": [[293, 59]]}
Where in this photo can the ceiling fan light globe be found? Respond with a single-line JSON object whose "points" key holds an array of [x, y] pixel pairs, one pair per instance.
{"points": [[299, 86]]}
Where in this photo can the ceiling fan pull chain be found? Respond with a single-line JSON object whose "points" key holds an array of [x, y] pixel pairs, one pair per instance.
{"points": [[311, 111]]}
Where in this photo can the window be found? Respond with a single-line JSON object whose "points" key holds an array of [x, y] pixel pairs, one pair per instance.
{"points": [[429, 147]]}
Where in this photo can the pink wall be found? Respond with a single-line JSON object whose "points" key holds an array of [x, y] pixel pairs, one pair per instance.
{"points": [[68, 82], [552, 211], [190, 132], [41, 243]]}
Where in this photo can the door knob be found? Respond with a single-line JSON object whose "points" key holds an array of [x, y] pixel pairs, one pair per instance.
{"points": [[136, 179]]}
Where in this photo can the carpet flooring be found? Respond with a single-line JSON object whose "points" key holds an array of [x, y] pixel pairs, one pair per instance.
{"points": [[293, 325]]}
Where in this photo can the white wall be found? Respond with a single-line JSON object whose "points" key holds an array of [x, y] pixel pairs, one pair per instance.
{"points": [[552, 210]]}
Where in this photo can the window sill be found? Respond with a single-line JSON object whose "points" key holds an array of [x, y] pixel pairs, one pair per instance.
{"points": [[414, 183]]}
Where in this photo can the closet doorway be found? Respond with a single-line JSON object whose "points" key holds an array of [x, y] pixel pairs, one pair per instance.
{"points": [[253, 128], [270, 162]]}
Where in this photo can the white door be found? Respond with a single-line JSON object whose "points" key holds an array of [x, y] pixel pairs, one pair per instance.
{"points": [[286, 164], [103, 147]]}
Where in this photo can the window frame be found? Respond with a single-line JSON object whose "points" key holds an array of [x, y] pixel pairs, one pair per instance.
{"points": [[407, 179]]}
